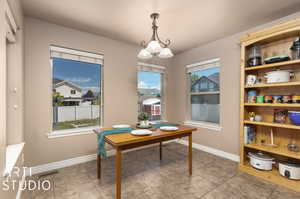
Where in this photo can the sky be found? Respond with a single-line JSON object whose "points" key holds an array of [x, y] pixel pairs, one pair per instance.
{"points": [[207, 72], [149, 80], [85, 75]]}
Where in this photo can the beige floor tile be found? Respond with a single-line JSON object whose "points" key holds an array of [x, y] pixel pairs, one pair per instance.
{"points": [[144, 176]]}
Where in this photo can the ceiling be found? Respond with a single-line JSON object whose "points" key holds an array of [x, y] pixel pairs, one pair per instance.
{"points": [[188, 23]]}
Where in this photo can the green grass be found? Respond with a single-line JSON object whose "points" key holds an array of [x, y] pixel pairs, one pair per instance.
{"points": [[70, 124]]}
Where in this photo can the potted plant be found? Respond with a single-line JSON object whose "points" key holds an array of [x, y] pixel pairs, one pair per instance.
{"points": [[144, 119]]}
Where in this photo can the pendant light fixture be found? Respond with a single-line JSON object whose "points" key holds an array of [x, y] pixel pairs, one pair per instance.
{"points": [[155, 47]]}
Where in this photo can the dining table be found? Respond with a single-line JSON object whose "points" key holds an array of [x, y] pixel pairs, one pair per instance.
{"points": [[124, 141]]}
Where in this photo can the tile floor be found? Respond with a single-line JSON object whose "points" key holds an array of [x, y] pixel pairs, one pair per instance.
{"points": [[145, 177]]}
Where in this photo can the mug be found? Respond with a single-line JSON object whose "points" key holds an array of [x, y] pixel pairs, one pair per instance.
{"points": [[251, 80]]}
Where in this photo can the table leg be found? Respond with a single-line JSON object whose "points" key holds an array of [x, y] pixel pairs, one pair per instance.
{"points": [[160, 151], [98, 166], [190, 155], [118, 173]]}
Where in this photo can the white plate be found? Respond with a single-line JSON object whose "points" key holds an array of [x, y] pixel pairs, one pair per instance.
{"points": [[141, 132], [168, 128], [119, 126]]}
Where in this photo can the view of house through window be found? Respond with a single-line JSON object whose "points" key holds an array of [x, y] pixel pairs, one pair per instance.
{"points": [[150, 93], [205, 94], [76, 93]]}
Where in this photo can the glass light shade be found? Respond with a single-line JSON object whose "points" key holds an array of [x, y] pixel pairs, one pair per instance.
{"points": [[144, 54], [154, 47], [165, 53]]}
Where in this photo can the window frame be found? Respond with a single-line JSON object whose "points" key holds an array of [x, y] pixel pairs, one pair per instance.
{"points": [[204, 65], [145, 67], [82, 130]]}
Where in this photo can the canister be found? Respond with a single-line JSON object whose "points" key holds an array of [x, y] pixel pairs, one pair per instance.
{"points": [[268, 99], [277, 99], [260, 99], [287, 99], [296, 99], [252, 96]]}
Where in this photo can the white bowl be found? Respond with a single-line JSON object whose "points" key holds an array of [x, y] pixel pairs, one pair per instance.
{"points": [[168, 128]]}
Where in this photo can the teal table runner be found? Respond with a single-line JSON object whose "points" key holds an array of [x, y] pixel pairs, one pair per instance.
{"points": [[101, 136]]}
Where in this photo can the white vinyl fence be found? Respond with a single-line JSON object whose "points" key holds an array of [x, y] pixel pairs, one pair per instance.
{"points": [[206, 112], [69, 113]]}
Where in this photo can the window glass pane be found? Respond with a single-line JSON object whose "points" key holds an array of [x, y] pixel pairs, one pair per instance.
{"points": [[149, 93], [205, 108], [205, 80], [76, 94]]}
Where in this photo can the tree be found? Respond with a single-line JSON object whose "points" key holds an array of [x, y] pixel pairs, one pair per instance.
{"points": [[194, 78], [57, 98], [89, 94]]}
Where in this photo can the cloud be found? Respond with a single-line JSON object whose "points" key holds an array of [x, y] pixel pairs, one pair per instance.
{"points": [[144, 85], [92, 88], [78, 80]]}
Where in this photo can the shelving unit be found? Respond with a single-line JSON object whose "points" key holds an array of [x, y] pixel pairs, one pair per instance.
{"points": [[274, 41], [274, 150], [273, 124], [271, 176], [273, 105], [274, 85], [275, 65]]}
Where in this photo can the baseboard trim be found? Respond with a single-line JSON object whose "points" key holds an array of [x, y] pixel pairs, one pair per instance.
{"points": [[20, 189], [213, 151], [82, 159], [73, 161]]}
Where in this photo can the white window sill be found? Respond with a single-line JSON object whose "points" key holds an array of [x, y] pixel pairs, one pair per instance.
{"points": [[73, 132], [13, 153], [206, 125]]}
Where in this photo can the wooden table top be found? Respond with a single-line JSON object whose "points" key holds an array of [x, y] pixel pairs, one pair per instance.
{"points": [[127, 138]]}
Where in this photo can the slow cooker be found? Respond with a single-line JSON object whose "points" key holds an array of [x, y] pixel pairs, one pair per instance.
{"points": [[290, 170], [279, 76], [261, 161]]}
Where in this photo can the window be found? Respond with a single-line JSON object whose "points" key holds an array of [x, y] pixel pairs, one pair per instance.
{"points": [[204, 91], [73, 92], [76, 89], [150, 90]]}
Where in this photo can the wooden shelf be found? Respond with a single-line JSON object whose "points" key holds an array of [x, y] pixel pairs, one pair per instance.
{"points": [[273, 124], [275, 40], [273, 105], [274, 85], [285, 63], [278, 150], [271, 176]]}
